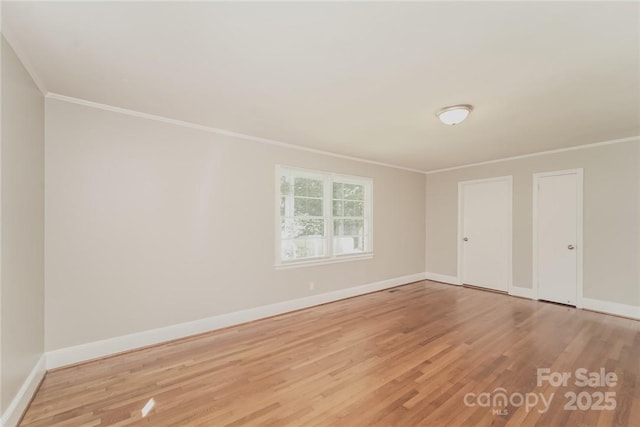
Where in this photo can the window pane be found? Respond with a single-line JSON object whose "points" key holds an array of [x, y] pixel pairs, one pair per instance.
{"points": [[348, 227], [338, 208], [301, 187], [337, 190], [308, 187], [282, 205], [294, 227], [293, 249], [285, 185], [308, 207], [316, 188], [314, 207], [348, 245], [353, 191], [353, 209]]}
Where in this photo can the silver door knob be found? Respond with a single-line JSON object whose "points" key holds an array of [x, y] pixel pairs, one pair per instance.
{"points": [[571, 247], [466, 239]]}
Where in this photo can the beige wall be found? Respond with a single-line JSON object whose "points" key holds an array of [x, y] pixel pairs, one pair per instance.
{"points": [[150, 224], [611, 217], [22, 278]]}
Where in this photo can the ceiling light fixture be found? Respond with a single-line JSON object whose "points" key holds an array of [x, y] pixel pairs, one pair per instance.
{"points": [[454, 114]]}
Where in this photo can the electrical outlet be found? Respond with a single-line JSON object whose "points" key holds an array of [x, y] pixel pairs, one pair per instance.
{"points": [[312, 286]]}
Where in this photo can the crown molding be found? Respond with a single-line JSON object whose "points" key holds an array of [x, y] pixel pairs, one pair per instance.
{"points": [[24, 59], [238, 135], [17, 48], [539, 153], [218, 131]]}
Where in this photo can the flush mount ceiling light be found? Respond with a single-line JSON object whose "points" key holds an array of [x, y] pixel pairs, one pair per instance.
{"points": [[454, 114]]}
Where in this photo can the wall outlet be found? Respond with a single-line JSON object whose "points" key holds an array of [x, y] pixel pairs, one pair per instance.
{"points": [[312, 286]]}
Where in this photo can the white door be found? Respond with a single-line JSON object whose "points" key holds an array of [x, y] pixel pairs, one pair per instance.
{"points": [[557, 235], [486, 233]]}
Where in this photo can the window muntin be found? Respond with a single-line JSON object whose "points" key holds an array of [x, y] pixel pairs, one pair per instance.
{"points": [[322, 216]]}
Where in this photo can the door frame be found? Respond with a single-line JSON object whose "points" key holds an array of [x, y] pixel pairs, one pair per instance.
{"points": [[579, 224], [461, 186]]}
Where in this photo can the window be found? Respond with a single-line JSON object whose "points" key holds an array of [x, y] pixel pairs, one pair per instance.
{"points": [[322, 216]]}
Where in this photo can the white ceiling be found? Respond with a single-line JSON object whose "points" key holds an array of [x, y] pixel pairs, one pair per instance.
{"points": [[360, 79]]}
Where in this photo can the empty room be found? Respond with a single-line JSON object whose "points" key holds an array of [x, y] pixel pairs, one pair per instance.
{"points": [[319, 213]]}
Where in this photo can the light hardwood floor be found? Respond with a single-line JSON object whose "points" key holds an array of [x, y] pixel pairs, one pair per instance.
{"points": [[402, 358]]}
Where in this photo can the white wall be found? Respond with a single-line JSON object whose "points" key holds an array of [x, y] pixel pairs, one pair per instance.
{"points": [[151, 224], [22, 263], [611, 217]]}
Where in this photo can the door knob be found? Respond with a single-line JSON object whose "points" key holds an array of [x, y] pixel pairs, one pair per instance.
{"points": [[571, 247], [466, 239]]}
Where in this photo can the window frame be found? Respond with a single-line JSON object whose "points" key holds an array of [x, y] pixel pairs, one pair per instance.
{"points": [[328, 179]]}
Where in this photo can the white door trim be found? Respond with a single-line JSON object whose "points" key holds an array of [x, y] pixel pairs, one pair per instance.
{"points": [[509, 225], [534, 264]]}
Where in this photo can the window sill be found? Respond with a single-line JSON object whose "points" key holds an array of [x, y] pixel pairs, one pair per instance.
{"points": [[324, 261]]}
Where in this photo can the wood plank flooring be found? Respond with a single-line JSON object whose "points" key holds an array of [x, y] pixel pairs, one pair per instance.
{"points": [[403, 358]]}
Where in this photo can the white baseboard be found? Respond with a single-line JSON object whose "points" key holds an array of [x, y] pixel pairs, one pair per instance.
{"points": [[452, 280], [606, 307], [522, 292], [616, 308], [97, 349], [18, 405]]}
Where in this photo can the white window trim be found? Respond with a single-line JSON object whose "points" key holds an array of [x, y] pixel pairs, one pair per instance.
{"points": [[328, 206]]}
